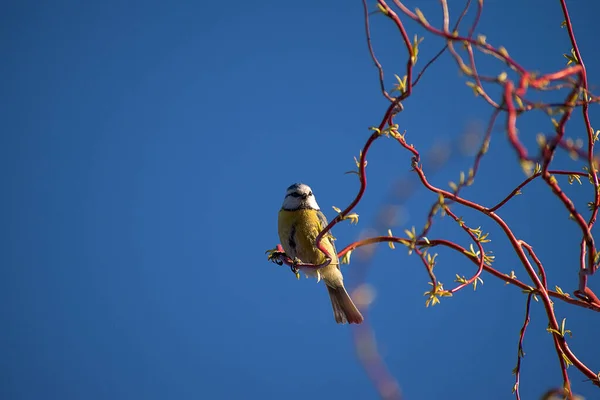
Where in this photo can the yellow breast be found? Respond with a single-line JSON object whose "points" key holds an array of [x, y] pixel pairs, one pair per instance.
{"points": [[298, 232]]}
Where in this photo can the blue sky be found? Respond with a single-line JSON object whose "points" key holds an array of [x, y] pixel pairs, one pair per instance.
{"points": [[146, 149]]}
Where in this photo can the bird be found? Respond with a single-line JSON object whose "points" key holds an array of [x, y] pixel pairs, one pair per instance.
{"points": [[300, 221]]}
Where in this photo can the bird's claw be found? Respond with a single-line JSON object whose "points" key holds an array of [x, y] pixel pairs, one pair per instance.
{"points": [[275, 256], [296, 272], [294, 267]]}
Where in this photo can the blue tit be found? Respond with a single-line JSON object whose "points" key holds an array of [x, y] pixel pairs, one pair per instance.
{"points": [[300, 222]]}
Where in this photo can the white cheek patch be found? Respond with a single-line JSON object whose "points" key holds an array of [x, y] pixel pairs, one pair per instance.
{"points": [[312, 202], [291, 203]]}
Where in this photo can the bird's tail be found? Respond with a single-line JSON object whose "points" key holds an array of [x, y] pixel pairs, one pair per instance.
{"points": [[344, 309]]}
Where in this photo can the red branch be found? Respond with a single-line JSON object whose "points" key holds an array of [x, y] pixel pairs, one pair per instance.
{"points": [[514, 103], [521, 352]]}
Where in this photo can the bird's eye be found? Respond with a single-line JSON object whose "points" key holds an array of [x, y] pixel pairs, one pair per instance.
{"points": [[295, 194], [310, 193]]}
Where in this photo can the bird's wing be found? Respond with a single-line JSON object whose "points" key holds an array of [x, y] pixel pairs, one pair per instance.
{"points": [[328, 236]]}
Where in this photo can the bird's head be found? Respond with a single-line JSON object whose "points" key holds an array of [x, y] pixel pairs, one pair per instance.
{"points": [[299, 196]]}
